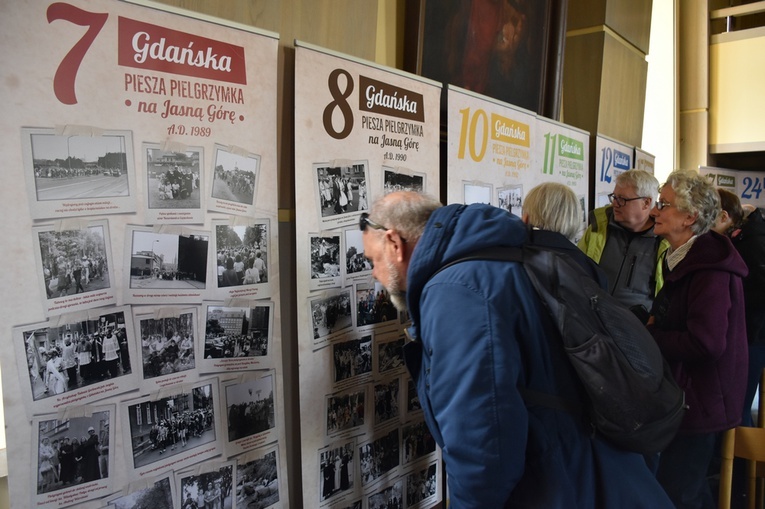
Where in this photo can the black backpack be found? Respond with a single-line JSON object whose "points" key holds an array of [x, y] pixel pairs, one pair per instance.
{"points": [[634, 400]]}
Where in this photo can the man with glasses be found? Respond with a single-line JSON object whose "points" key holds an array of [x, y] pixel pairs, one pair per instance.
{"points": [[620, 238]]}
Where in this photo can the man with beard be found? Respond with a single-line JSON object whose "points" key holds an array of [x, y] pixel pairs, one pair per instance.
{"points": [[481, 340]]}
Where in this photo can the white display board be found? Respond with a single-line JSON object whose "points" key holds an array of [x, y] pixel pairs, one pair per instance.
{"points": [[361, 131], [644, 161], [749, 186], [140, 150], [611, 158]]}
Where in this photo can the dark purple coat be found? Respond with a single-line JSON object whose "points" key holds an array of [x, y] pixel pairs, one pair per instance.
{"points": [[701, 330]]}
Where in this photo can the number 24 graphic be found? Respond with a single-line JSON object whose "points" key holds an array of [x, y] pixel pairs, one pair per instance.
{"points": [[63, 81]]}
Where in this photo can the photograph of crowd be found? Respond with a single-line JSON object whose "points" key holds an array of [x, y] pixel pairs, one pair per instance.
{"points": [[386, 401], [325, 257], [72, 452], [157, 495], [421, 485], [167, 344], [79, 167], [167, 261], [390, 497], [165, 427], [235, 177], [342, 189], [232, 332], [209, 490], [345, 411], [331, 314], [173, 179], [355, 261], [417, 441], [394, 181], [74, 261], [250, 407], [477, 193], [77, 354], [336, 470], [242, 254], [390, 355], [510, 199], [373, 306], [379, 456], [352, 358], [412, 399], [257, 482]]}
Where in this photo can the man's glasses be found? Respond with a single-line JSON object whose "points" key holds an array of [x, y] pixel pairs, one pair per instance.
{"points": [[622, 201], [661, 204], [364, 221]]}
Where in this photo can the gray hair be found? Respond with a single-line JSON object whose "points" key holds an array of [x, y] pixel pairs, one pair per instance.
{"points": [[695, 195], [405, 211], [553, 206], [644, 183]]}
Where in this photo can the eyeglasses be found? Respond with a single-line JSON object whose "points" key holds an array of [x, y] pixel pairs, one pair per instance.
{"points": [[364, 221], [661, 204], [622, 201]]}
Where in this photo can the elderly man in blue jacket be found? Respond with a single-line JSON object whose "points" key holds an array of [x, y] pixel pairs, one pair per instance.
{"points": [[479, 336]]}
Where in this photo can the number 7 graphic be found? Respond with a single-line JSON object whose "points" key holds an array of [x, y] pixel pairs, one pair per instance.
{"points": [[63, 82]]}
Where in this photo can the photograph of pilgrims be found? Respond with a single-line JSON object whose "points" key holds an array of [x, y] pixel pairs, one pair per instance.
{"points": [[207, 490], [250, 407], [235, 332], [352, 358], [379, 456], [510, 198], [173, 425], [325, 261], [394, 180], [173, 178], [257, 481], [373, 305], [345, 411], [242, 254], [342, 189], [156, 495], [386, 400], [356, 263], [74, 261], [235, 177], [389, 497], [336, 467], [421, 485], [79, 167], [390, 354], [77, 353], [167, 344], [73, 451], [164, 261], [417, 441], [475, 192], [331, 314], [412, 399]]}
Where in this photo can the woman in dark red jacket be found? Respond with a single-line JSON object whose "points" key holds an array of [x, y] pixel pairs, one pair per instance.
{"points": [[698, 322]]}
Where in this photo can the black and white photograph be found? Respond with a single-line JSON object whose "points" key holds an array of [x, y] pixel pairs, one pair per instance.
{"points": [[235, 177], [250, 407], [352, 358], [389, 497], [325, 260], [211, 489], [379, 456], [177, 430], [416, 441], [342, 192], [356, 264], [168, 261], [412, 399], [421, 485], [390, 354], [167, 343], [242, 260], [336, 469], [77, 173], [257, 480], [173, 185], [475, 192], [64, 361], [156, 495], [510, 198], [387, 404], [72, 452], [331, 315], [241, 333], [373, 305], [398, 180], [345, 411]]}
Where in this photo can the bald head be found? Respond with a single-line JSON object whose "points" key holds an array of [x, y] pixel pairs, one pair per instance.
{"points": [[406, 212]]}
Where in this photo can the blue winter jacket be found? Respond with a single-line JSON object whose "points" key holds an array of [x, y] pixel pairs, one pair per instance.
{"points": [[479, 334]]}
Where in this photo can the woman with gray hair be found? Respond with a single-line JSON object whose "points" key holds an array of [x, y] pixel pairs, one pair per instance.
{"points": [[698, 322]]}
